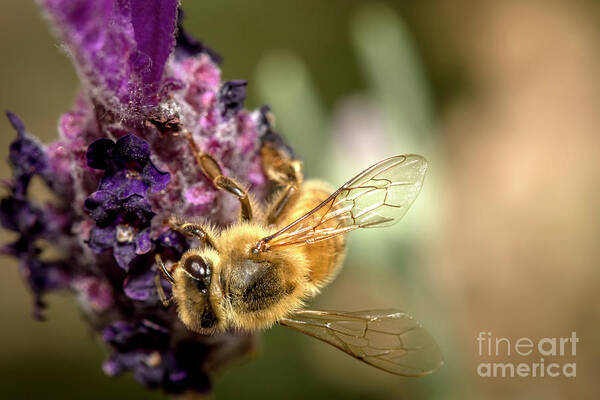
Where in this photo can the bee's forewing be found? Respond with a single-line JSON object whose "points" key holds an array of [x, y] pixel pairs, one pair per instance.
{"points": [[390, 340], [377, 197]]}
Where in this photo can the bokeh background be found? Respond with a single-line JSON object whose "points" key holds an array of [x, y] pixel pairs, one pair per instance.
{"points": [[503, 98]]}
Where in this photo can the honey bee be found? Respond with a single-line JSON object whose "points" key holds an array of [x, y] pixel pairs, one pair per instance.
{"points": [[259, 271]]}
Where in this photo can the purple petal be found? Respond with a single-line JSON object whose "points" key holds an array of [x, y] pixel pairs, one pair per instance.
{"points": [[43, 276], [126, 360], [153, 25], [99, 153], [149, 376], [137, 211], [118, 333], [131, 148], [102, 206], [119, 46], [143, 244], [123, 184], [177, 375], [140, 287], [102, 238], [124, 253], [132, 187], [142, 334], [155, 178], [16, 122]]}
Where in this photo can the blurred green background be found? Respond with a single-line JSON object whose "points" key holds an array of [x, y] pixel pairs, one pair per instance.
{"points": [[501, 97]]}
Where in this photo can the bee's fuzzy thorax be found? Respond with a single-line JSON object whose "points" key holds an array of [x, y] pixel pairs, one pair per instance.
{"points": [[290, 268], [251, 291]]}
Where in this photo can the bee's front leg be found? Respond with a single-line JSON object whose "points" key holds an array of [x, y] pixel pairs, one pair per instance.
{"points": [[211, 168], [168, 275], [161, 292]]}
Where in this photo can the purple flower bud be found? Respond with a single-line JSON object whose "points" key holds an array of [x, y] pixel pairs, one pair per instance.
{"points": [[231, 97], [26, 156]]}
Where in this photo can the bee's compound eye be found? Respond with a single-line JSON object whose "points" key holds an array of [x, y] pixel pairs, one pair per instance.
{"points": [[200, 270]]}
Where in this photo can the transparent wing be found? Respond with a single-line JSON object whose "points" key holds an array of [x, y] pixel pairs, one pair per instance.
{"points": [[377, 197], [386, 339]]}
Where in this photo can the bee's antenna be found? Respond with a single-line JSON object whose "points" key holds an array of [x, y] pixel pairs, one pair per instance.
{"points": [[164, 269]]}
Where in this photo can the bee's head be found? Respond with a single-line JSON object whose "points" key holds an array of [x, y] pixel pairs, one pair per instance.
{"points": [[197, 291]]}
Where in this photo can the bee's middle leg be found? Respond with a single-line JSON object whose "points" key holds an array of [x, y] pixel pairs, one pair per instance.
{"points": [[285, 172], [282, 200]]}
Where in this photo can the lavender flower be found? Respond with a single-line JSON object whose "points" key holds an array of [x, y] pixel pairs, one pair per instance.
{"points": [[119, 169], [120, 206]]}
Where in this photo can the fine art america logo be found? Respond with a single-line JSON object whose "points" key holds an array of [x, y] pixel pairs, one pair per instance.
{"points": [[502, 347]]}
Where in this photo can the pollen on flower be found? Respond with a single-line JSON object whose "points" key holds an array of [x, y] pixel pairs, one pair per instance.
{"points": [[153, 359], [125, 234]]}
